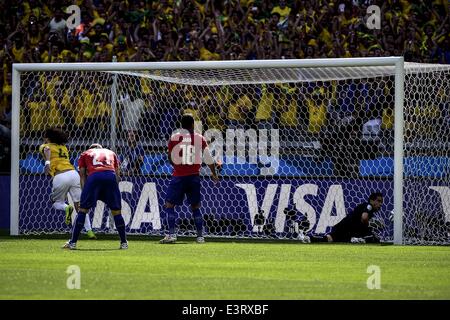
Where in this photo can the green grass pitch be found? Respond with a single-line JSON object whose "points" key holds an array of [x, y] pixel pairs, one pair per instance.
{"points": [[36, 269]]}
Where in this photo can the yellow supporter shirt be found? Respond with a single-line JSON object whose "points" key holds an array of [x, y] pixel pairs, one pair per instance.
{"points": [[38, 115], [284, 13], [207, 55], [19, 54], [78, 112], [267, 102], [49, 83], [246, 3], [317, 115], [27, 11], [103, 109], [215, 121], [146, 86], [326, 37], [215, 116], [387, 119], [6, 90], [288, 116], [429, 116], [223, 95], [55, 118], [422, 119], [88, 103], [59, 157], [33, 41], [240, 108], [122, 56]]}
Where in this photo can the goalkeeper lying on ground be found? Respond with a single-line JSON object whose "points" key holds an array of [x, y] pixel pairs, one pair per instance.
{"points": [[355, 226]]}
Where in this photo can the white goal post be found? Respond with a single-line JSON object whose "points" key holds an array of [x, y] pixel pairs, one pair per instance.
{"points": [[221, 73]]}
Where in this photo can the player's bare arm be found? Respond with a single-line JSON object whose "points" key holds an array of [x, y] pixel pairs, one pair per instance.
{"points": [[47, 154], [212, 164], [365, 218], [214, 175], [117, 171], [83, 175]]}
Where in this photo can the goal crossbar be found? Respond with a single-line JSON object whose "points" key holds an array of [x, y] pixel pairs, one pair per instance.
{"points": [[201, 65]]}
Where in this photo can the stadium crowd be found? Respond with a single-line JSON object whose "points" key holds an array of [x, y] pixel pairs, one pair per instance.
{"points": [[175, 30]]}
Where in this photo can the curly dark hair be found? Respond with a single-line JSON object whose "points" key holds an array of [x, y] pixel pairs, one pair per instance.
{"points": [[56, 135], [187, 121], [375, 195]]}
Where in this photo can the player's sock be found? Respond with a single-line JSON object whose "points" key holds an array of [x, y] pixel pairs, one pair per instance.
{"points": [[120, 226], [59, 205], [171, 220], [198, 220], [319, 239], [78, 226], [87, 224]]}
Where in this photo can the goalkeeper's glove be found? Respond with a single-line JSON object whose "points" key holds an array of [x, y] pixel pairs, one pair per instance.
{"points": [[391, 215], [357, 240]]}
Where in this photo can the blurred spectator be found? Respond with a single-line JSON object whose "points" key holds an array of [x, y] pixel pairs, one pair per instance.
{"points": [[167, 111], [16, 46], [132, 155], [240, 109], [371, 136], [289, 113], [54, 53], [37, 111], [57, 24], [132, 108], [266, 106], [317, 105], [282, 9]]}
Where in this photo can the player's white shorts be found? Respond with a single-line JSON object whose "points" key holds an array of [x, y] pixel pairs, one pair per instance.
{"points": [[66, 182]]}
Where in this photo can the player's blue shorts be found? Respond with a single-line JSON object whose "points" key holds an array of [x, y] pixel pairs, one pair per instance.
{"points": [[101, 186], [185, 185]]}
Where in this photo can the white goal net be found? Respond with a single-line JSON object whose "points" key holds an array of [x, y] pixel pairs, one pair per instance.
{"points": [[300, 146]]}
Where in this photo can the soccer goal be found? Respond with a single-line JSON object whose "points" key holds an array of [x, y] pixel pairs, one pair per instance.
{"points": [[302, 142]]}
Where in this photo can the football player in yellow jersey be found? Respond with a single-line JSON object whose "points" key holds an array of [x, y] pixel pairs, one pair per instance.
{"points": [[65, 178]]}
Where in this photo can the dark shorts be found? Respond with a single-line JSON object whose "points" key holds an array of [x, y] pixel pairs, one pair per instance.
{"points": [[101, 186], [180, 186], [345, 230]]}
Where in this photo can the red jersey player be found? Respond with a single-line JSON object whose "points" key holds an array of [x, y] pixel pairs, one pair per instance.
{"points": [[99, 173], [185, 154]]}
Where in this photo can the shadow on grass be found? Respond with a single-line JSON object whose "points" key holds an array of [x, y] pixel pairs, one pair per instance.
{"points": [[181, 239], [97, 249], [171, 244]]}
